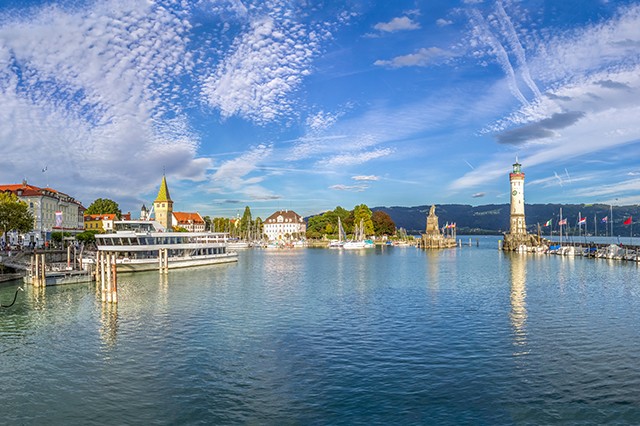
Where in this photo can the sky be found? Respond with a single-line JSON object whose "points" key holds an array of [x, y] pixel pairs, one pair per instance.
{"points": [[309, 105]]}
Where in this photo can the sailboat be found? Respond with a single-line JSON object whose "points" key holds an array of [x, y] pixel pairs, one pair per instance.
{"points": [[358, 241], [342, 236]]}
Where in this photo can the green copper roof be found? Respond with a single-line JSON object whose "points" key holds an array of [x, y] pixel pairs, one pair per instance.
{"points": [[163, 194]]}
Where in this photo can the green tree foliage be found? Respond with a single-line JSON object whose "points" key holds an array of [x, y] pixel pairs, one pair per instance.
{"points": [[363, 213], [258, 227], [88, 236], [14, 214], [208, 224], [246, 222], [326, 224], [317, 226], [57, 236], [104, 206], [382, 223]]}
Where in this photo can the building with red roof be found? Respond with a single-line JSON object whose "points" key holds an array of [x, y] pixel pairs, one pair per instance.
{"points": [[52, 210], [192, 222]]}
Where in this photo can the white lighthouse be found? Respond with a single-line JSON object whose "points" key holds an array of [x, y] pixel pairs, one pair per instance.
{"points": [[516, 178]]}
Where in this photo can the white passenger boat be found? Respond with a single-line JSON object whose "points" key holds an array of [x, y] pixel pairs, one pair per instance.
{"points": [[137, 245]]}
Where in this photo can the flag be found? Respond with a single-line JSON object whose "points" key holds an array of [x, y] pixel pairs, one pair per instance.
{"points": [[548, 223], [453, 225], [605, 219], [58, 219], [583, 220], [562, 222], [627, 222]]}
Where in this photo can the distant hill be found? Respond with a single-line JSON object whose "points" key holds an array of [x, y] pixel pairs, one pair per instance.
{"points": [[494, 218]]}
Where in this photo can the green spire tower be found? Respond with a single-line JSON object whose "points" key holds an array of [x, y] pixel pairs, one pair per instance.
{"points": [[163, 206]]}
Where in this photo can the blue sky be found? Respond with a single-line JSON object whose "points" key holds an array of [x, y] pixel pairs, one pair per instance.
{"points": [[307, 105]]}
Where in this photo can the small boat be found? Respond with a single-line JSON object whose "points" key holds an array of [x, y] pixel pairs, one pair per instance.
{"points": [[62, 277], [358, 241], [237, 245], [342, 236]]}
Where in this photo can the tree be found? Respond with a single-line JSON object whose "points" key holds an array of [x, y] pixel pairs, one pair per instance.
{"points": [[258, 228], [14, 214], [88, 236], [245, 222], [382, 223], [363, 213], [327, 223], [57, 237], [104, 206], [207, 223]]}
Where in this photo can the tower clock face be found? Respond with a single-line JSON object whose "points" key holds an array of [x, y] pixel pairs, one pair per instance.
{"points": [[515, 192]]}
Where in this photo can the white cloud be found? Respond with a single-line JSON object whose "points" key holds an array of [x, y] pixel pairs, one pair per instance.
{"points": [[355, 158], [322, 120], [421, 58], [403, 23], [441, 22], [369, 178], [87, 92], [350, 188], [592, 73], [232, 174], [267, 64]]}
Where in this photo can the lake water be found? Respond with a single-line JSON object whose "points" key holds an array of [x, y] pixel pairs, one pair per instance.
{"points": [[315, 336]]}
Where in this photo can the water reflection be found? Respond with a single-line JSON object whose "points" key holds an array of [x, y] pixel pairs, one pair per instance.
{"points": [[518, 314], [433, 270], [37, 297], [109, 323]]}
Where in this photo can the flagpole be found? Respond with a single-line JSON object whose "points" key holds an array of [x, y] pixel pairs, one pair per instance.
{"points": [[611, 219], [560, 226]]}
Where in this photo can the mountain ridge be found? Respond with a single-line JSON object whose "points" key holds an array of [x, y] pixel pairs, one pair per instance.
{"points": [[494, 218]]}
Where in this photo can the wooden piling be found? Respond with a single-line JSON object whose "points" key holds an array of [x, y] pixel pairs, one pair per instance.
{"points": [[103, 275], [114, 285], [43, 271]]}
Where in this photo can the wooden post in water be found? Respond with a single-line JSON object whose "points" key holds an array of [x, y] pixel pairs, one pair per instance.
{"points": [[68, 256], [34, 269], [163, 260], [109, 277], [43, 271], [114, 284]]}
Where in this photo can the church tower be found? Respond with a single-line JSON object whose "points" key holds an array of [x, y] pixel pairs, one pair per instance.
{"points": [[163, 206], [516, 178]]}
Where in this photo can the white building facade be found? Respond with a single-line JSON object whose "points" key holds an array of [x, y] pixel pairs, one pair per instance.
{"points": [[53, 211], [284, 225]]}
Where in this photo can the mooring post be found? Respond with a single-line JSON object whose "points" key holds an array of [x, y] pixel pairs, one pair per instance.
{"points": [[109, 278], [101, 277], [107, 282], [43, 271], [166, 261], [34, 269], [68, 256], [114, 285]]}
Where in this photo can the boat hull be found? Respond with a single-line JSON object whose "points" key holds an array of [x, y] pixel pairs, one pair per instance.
{"points": [[137, 265], [151, 264]]}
